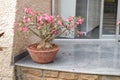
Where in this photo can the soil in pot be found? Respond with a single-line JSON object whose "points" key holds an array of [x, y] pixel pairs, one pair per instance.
{"points": [[42, 56]]}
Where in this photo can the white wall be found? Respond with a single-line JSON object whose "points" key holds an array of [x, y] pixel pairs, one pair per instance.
{"points": [[81, 10], [7, 19], [66, 8], [93, 14]]}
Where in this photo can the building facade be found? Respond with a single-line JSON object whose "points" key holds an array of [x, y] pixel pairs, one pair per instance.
{"points": [[94, 12]]}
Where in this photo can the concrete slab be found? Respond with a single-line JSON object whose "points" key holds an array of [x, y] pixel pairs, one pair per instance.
{"points": [[92, 58]]}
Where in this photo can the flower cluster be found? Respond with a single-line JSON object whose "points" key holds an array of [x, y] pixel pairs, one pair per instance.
{"points": [[118, 22], [49, 27]]}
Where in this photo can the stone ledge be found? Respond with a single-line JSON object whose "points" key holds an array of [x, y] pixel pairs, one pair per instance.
{"points": [[89, 58]]}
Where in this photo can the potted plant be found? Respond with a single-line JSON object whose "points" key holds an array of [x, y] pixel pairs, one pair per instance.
{"points": [[47, 28]]}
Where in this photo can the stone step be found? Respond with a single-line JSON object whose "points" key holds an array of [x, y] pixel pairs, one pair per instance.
{"points": [[109, 17], [107, 27], [109, 14], [109, 23], [109, 20]]}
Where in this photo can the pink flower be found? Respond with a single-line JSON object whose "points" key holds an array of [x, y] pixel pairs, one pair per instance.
{"points": [[48, 25], [71, 19], [32, 13], [51, 17], [67, 20], [54, 32], [47, 18], [28, 11], [24, 19], [24, 29], [39, 18], [118, 22], [28, 19], [59, 23], [40, 27], [20, 28], [79, 21]]}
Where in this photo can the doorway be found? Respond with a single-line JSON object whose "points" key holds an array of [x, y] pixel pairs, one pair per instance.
{"points": [[109, 27]]}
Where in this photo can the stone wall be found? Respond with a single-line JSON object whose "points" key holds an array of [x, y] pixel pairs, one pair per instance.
{"points": [[24, 73], [55, 7], [7, 18], [10, 11], [22, 40], [36, 5], [12, 44]]}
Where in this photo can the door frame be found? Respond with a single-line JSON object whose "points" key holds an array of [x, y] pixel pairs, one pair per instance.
{"points": [[118, 19], [101, 19]]}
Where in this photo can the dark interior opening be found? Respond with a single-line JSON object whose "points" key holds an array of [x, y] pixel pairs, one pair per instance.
{"points": [[110, 15]]}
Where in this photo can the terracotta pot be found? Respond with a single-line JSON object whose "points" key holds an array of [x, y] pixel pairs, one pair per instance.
{"points": [[42, 56]]}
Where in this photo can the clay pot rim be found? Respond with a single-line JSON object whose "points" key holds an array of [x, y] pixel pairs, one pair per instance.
{"points": [[37, 50]]}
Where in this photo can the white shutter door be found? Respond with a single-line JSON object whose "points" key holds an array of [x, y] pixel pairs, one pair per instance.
{"points": [[67, 8]]}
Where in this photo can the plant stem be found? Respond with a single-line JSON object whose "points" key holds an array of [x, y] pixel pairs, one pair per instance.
{"points": [[57, 35], [34, 32]]}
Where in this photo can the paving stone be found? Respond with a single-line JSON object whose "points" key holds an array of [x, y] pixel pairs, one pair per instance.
{"points": [[65, 75], [51, 79], [50, 73], [35, 72], [88, 77], [30, 77], [110, 78]]}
